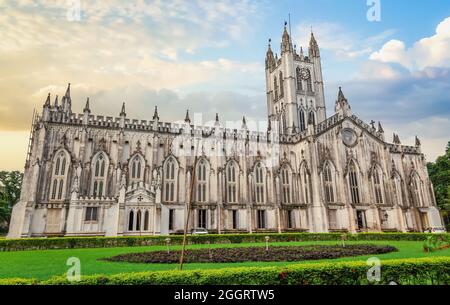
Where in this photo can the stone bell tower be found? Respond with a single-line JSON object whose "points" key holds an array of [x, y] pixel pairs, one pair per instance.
{"points": [[294, 83]]}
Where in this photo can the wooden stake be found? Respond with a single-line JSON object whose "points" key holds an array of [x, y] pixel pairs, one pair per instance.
{"points": [[183, 249]]}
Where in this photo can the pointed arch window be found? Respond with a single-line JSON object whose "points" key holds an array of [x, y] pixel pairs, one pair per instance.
{"points": [[311, 118], [59, 178], [398, 189], [377, 185], [309, 84], [202, 181], [305, 181], [301, 118], [416, 190], [259, 183], [299, 80], [136, 170], [170, 180], [353, 183], [281, 85], [231, 182], [275, 87], [131, 221], [100, 164], [285, 185], [328, 184]]}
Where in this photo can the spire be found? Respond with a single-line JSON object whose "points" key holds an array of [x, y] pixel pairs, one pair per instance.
{"points": [[122, 112], [155, 114], [313, 47], [286, 43], [56, 102], [380, 128], [47, 101], [342, 106], [396, 139], [244, 123], [187, 119], [86, 108], [341, 96], [217, 120], [418, 143], [270, 59], [67, 91]]}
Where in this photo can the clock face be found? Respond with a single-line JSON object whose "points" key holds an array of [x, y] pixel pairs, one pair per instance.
{"points": [[349, 137], [304, 73]]}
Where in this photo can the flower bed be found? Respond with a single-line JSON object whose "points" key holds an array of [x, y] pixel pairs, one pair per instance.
{"points": [[253, 254]]}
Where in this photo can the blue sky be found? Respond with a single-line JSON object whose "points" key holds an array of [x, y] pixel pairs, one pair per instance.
{"points": [[208, 56]]}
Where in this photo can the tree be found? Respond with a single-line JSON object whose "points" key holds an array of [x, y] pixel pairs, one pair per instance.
{"points": [[11, 183], [439, 172]]}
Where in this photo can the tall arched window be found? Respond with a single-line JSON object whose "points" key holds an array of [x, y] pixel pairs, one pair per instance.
{"points": [[281, 84], [299, 80], [131, 221], [259, 183], [416, 190], [353, 183], [377, 185], [202, 181], [146, 220], [285, 185], [61, 163], [305, 181], [231, 182], [275, 88], [100, 164], [311, 118], [138, 220], [309, 84], [328, 183], [301, 118], [170, 177], [136, 170], [398, 189]]}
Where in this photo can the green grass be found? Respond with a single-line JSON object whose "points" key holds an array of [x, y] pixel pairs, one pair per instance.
{"points": [[43, 264]]}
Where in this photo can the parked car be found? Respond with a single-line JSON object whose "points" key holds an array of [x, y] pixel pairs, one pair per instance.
{"points": [[199, 231], [436, 230]]}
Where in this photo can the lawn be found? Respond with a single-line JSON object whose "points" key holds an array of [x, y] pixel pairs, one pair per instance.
{"points": [[44, 264]]}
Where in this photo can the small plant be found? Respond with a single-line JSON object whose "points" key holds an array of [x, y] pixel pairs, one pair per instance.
{"points": [[434, 243], [344, 237], [168, 245]]}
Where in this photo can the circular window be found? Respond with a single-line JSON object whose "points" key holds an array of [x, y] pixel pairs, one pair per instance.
{"points": [[349, 137]]}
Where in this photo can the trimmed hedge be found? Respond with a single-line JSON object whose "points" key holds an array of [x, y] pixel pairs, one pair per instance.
{"points": [[423, 271], [134, 241]]}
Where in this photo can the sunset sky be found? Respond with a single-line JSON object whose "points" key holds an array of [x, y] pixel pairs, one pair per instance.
{"points": [[208, 56]]}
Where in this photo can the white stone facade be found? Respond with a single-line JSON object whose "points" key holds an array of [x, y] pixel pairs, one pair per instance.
{"points": [[104, 176]]}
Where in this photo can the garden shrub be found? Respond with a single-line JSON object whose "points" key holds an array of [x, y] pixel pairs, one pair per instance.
{"points": [[422, 271], [132, 241]]}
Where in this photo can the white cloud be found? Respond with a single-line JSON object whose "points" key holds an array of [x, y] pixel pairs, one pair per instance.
{"points": [[427, 52]]}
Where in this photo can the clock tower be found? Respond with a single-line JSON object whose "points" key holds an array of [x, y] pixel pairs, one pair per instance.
{"points": [[295, 95]]}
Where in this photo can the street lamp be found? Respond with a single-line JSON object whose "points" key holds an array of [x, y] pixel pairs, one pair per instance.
{"points": [[267, 243]]}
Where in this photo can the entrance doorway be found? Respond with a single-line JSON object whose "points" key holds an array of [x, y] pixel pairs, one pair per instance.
{"points": [[361, 219], [424, 220]]}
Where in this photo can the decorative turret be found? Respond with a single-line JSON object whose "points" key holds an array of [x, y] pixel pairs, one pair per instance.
{"points": [[47, 101], [342, 105], [123, 114], [418, 143], [380, 128], [286, 43], [270, 59], [313, 47], [86, 112], [56, 103], [217, 123], [244, 123], [86, 107], [67, 101], [187, 119], [155, 114], [396, 139]]}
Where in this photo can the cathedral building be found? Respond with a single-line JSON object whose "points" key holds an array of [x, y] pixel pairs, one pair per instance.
{"points": [[95, 175]]}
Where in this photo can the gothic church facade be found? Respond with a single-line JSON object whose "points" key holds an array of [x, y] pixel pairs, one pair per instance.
{"points": [[93, 175]]}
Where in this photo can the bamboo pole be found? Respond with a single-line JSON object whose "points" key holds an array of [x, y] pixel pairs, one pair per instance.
{"points": [[183, 249]]}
